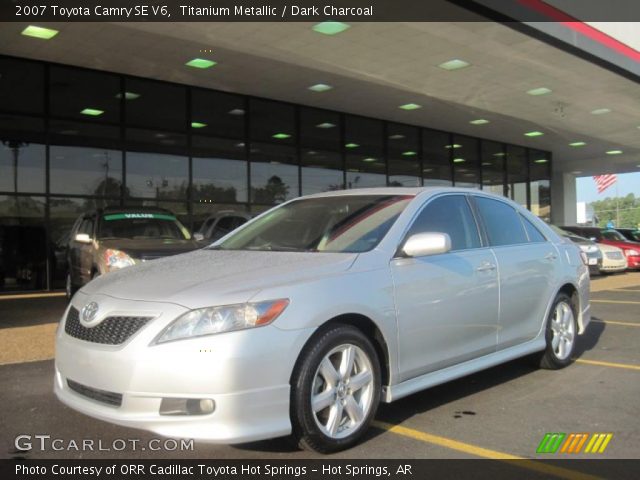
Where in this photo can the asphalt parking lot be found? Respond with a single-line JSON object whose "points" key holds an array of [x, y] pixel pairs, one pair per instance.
{"points": [[503, 412]]}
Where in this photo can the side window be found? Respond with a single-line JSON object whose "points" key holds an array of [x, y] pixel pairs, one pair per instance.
{"points": [[502, 222], [237, 221], [86, 226], [532, 232], [449, 214]]}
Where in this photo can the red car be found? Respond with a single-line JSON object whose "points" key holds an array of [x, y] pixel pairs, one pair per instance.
{"points": [[611, 237]]}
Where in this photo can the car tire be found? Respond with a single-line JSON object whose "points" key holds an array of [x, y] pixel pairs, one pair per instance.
{"points": [[335, 389], [70, 288], [561, 334]]}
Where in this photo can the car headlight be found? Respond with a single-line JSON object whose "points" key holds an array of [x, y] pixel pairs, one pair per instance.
{"points": [[589, 248], [632, 253], [116, 259], [227, 318]]}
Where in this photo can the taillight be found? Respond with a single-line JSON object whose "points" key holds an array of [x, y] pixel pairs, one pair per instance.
{"points": [[585, 258]]}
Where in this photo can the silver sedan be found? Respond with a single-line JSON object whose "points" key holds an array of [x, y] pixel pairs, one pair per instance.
{"points": [[307, 317]]}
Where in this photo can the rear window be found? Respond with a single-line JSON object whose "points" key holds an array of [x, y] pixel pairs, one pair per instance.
{"points": [[532, 231], [142, 225]]}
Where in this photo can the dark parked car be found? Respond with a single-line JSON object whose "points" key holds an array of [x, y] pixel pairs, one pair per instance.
{"points": [[632, 234], [114, 238], [589, 247], [611, 237], [218, 225]]}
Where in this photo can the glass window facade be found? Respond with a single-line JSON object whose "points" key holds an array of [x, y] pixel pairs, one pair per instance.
{"points": [[74, 139]]}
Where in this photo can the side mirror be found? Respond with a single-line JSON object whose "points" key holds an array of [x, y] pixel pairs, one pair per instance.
{"points": [[422, 244], [82, 238], [198, 237]]}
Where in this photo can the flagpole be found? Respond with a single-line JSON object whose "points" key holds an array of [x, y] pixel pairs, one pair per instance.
{"points": [[617, 206]]}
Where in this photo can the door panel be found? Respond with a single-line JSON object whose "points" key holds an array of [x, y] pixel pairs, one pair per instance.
{"points": [[526, 286], [447, 309]]}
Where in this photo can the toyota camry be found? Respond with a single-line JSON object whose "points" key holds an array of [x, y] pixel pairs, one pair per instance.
{"points": [[304, 319]]}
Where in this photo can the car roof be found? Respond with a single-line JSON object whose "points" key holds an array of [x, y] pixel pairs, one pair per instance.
{"points": [[413, 191]]}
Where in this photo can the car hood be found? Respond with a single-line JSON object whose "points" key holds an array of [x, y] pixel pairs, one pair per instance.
{"points": [[216, 277], [150, 248], [609, 248]]}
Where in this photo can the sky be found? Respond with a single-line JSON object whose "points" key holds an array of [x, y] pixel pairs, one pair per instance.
{"points": [[627, 183]]}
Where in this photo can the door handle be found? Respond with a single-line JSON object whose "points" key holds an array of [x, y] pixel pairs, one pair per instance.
{"points": [[485, 267], [550, 256]]}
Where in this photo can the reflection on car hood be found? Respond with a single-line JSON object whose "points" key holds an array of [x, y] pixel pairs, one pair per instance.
{"points": [[209, 277], [150, 247]]}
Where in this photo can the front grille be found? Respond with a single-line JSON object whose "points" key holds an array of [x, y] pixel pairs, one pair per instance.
{"points": [[111, 331], [614, 255], [102, 396]]}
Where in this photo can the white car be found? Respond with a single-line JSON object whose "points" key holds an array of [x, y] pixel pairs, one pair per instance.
{"points": [[303, 319], [613, 259]]}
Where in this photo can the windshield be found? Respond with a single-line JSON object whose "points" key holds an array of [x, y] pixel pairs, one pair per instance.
{"points": [[613, 235], [145, 225], [345, 224]]}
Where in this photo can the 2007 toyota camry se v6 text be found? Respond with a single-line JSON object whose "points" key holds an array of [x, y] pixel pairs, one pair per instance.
{"points": [[305, 318]]}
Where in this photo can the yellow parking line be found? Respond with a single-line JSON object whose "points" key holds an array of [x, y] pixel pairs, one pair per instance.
{"points": [[32, 295], [515, 460], [610, 322], [615, 301], [608, 364]]}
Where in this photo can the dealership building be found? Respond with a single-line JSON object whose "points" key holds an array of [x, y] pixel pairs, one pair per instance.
{"points": [[201, 118]]}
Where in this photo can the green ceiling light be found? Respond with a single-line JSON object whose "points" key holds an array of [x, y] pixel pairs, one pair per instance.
{"points": [[499, 154], [281, 136], [539, 91], [200, 63], [128, 95], [454, 64], [326, 125], [410, 106], [600, 111], [320, 87], [487, 164], [39, 32], [198, 125], [577, 144], [410, 153], [479, 121], [92, 112], [330, 28], [535, 133], [458, 160], [352, 145], [455, 145], [541, 160], [614, 152], [369, 159]]}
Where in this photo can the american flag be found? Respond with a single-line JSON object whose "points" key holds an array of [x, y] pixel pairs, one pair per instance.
{"points": [[604, 181]]}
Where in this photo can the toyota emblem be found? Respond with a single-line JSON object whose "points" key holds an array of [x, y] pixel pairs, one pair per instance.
{"points": [[89, 312]]}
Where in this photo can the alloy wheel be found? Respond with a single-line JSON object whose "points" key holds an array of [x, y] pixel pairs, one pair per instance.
{"points": [[563, 328], [342, 391]]}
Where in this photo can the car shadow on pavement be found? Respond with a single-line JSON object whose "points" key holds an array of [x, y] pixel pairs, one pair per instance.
{"points": [[590, 338], [421, 402]]}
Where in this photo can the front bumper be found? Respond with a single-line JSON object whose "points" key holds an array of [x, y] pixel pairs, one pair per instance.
{"points": [[246, 373]]}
